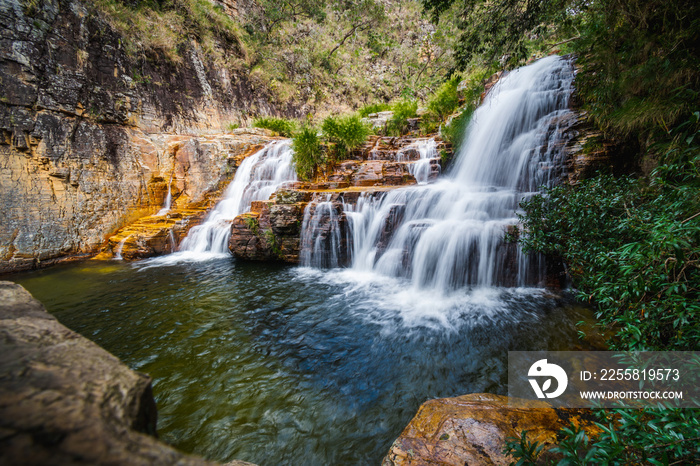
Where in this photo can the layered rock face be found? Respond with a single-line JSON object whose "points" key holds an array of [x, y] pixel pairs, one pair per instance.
{"points": [[472, 429], [90, 135], [66, 401], [201, 169]]}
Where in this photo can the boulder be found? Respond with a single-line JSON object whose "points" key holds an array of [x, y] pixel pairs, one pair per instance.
{"points": [[66, 401], [472, 429], [247, 241]]}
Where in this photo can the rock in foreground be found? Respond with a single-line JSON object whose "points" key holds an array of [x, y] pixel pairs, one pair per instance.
{"points": [[471, 429], [66, 401]]}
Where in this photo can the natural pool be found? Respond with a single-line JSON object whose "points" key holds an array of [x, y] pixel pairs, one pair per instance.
{"points": [[276, 364]]}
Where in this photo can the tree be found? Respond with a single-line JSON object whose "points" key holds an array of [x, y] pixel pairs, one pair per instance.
{"points": [[492, 28]]}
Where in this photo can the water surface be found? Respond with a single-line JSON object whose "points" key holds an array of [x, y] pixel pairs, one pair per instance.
{"points": [[284, 365]]}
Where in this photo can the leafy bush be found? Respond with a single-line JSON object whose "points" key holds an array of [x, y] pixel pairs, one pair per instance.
{"points": [[345, 133], [279, 125], [368, 109], [308, 153], [403, 110], [633, 249], [453, 132], [658, 436], [526, 451], [445, 100]]}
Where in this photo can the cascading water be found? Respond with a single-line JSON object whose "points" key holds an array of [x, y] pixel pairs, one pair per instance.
{"points": [[167, 205], [256, 179], [120, 247], [422, 169], [450, 234], [323, 249], [310, 366]]}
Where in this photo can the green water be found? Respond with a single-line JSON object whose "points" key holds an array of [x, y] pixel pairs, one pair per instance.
{"points": [[282, 365]]}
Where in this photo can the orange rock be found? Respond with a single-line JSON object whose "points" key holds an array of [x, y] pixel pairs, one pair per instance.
{"points": [[472, 429]]}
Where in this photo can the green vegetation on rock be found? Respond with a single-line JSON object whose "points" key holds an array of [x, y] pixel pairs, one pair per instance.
{"points": [[403, 110], [308, 153], [344, 133], [368, 109], [153, 28], [281, 126]]}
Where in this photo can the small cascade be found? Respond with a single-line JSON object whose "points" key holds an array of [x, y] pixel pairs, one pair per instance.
{"points": [[450, 234], [120, 246], [427, 166], [171, 241], [322, 242], [256, 179], [167, 205]]}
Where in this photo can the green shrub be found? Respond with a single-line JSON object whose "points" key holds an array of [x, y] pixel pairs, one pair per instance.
{"points": [[232, 126], [445, 100], [308, 153], [344, 133], [526, 451], [403, 110], [633, 249], [440, 106], [368, 109], [281, 126], [454, 131]]}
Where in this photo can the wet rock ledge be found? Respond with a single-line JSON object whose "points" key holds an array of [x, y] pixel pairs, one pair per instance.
{"points": [[66, 401]]}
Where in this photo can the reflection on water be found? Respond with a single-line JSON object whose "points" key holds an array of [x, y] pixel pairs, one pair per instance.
{"points": [[283, 365]]}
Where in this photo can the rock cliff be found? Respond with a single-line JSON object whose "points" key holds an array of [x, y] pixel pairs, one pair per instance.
{"points": [[90, 134], [66, 401]]}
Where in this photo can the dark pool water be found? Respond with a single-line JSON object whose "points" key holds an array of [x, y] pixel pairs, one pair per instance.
{"points": [[282, 365]]}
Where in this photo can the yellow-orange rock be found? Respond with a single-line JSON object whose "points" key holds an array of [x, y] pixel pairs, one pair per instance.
{"points": [[89, 133], [194, 192], [472, 429]]}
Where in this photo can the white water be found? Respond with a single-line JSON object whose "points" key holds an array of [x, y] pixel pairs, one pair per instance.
{"points": [[449, 234], [167, 205], [256, 179], [421, 169], [324, 247], [120, 246]]}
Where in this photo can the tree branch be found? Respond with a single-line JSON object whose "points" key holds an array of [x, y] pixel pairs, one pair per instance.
{"points": [[350, 32], [565, 41]]}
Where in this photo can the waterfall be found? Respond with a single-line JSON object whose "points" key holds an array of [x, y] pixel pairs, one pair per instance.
{"points": [[323, 248], [450, 234], [168, 197], [120, 246], [256, 179]]}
